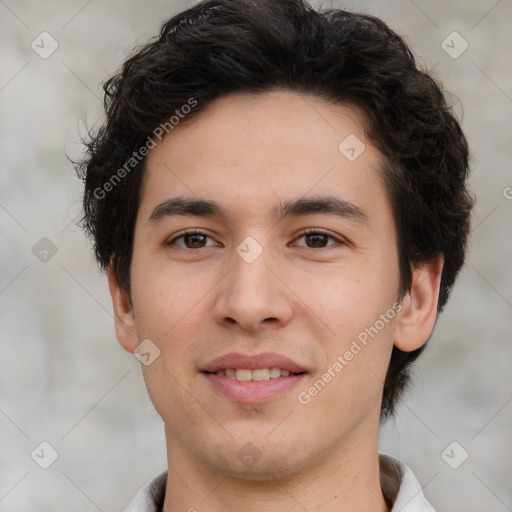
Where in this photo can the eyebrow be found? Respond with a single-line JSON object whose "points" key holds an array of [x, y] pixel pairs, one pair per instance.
{"points": [[198, 207]]}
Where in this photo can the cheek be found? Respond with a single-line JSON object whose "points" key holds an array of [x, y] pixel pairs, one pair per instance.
{"points": [[166, 315], [165, 297], [355, 312], [347, 299], [349, 387], [173, 395]]}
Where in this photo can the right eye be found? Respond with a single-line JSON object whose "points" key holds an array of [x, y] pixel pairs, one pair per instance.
{"points": [[193, 239]]}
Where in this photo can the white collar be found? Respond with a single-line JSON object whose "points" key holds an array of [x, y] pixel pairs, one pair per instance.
{"points": [[401, 487]]}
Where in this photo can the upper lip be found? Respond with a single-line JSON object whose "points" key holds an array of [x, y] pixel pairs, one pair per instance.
{"points": [[236, 360]]}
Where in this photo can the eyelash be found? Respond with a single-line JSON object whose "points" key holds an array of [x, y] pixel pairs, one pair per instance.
{"points": [[308, 231]]}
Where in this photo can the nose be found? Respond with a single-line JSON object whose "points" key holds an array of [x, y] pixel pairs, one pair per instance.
{"points": [[254, 294]]}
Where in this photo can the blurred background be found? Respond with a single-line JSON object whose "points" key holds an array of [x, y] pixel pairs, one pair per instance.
{"points": [[65, 382]]}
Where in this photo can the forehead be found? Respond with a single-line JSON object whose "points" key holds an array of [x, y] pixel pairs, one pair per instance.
{"points": [[248, 151]]}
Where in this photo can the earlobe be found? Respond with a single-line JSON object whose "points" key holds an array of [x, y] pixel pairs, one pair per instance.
{"points": [[126, 332], [419, 307]]}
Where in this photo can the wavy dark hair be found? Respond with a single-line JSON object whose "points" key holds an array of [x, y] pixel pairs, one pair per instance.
{"points": [[255, 46]]}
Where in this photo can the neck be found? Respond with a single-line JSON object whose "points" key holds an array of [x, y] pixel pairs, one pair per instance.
{"points": [[338, 481]]}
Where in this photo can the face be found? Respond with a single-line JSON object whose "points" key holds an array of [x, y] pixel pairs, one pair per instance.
{"points": [[291, 265]]}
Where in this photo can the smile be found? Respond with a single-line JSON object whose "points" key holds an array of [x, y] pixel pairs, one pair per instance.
{"points": [[258, 375], [253, 386]]}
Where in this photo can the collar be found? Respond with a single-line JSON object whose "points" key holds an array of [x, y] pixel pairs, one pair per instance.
{"points": [[400, 487]]}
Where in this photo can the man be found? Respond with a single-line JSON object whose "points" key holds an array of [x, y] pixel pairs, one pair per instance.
{"points": [[279, 198]]}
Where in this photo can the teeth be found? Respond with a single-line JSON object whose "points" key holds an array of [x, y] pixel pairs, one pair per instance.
{"points": [[243, 374], [275, 373], [261, 374], [257, 375]]}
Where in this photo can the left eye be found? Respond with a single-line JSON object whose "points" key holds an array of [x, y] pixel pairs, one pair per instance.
{"points": [[318, 239], [196, 239]]}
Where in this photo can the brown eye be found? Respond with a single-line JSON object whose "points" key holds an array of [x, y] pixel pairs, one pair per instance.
{"points": [[316, 239], [192, 240]]}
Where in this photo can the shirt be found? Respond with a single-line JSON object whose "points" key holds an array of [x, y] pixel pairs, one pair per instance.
{"points": [[400, 488]]}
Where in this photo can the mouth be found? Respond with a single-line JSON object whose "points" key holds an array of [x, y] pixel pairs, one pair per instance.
{"points": [[257, 375], [258, 378]]}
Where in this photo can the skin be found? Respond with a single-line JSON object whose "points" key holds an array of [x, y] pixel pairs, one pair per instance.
{"points": [[305, 297]]}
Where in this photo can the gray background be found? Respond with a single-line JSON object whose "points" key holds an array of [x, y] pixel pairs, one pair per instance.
{"points": [[65, 380]]}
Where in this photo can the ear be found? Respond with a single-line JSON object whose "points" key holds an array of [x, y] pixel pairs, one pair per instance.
{"points": [[126, 332], [419, 307]]}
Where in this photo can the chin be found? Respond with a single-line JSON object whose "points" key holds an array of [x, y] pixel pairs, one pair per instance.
{"points": [[250, 463]]}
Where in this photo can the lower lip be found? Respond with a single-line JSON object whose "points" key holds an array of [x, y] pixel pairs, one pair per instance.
{"points": [[250, 392]]}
